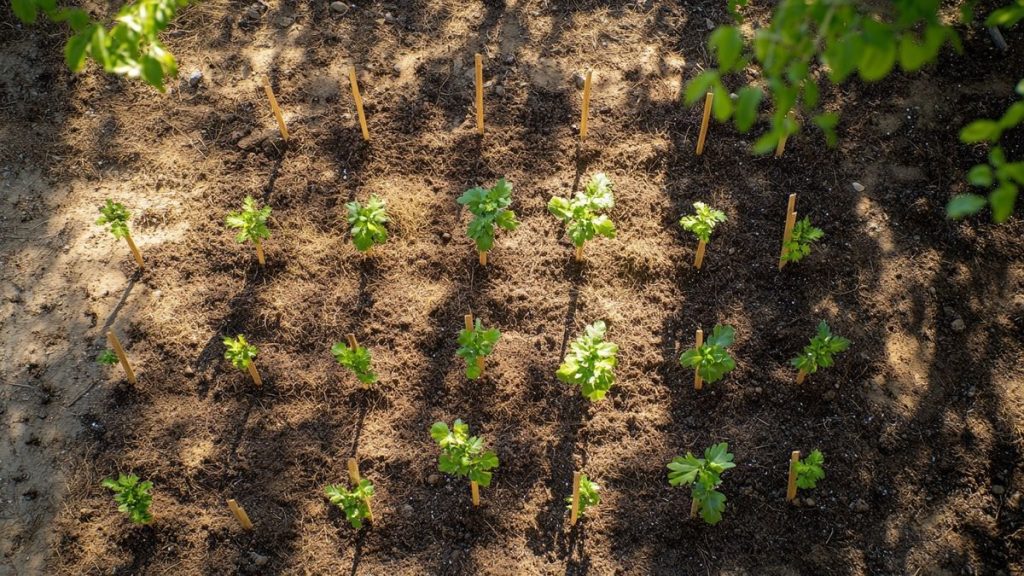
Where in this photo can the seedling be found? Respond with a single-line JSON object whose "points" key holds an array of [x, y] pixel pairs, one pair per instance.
{"points": [[475, 344], [251, 223], [116, 215], [107, 357], [588, 494], [702, 223], [799, 245], [133, 497], [581, 214], [818, 353], [710, 359], [489, 208], [241, 354], [809, 470], [368, 223], [357, 359], [590, 363], [704, 475], [464, 455], [355, 502]]}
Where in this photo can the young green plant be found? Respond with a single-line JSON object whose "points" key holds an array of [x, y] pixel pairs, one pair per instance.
{"points": [[357, 359], [590, 363], [704, 476], [701, 223], [132, 496], [584, 495], [475, 344], [464, 455], [115, 214], [582, 214], [804, 473], [251, 224], [355, 503], [107, 357], [710, 360], [241, 355], [368, 223], [490, 209], [819, 352], [799, 244]]}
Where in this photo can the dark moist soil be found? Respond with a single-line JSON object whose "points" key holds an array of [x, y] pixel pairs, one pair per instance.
{"points": [[920, 421]]}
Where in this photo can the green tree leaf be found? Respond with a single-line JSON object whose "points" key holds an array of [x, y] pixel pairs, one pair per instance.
{"points": [[964, 205]]}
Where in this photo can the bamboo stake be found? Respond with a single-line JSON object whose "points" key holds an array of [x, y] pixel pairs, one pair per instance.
{"points": [[781, 147], [787, 233], [275, 108], [479, 94], [480, 364], [474, 490], [791, 486], [255, 373], [240, 514], [134, 249], [119, 350], [586, 107], [801, 376], [575, 515], [359, 102], [483, 258], [469, 322], [353, 474], [698, 382], [708, 98], [259, 254], [698, 259], [694, 506], [579, 253], [352, 342]]}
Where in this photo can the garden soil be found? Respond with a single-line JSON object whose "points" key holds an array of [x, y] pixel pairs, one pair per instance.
{"points": [[920, 421]]}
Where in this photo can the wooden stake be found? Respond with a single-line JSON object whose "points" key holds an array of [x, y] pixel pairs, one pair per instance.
{"points": [[694, 506], [469, 322], [359, 102], [781, 147], [586, 107], [579, 253], [483, 258], [352, 342], [275, 108], [708, 98], [259, 254], [134, 249], [575, 515], [119, 350], [480, 364], [255, 373], [787, 233], [698, 382], [240, 514], [791, 487], [353, 475], [698, 259], [479, 94], [474, 490], [801, 376]]}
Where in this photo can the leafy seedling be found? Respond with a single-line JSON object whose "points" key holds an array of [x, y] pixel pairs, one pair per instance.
{"points": [[489, 208], [357, 359], [703, 221], [368, 223], [475, 345], [239, 352], [462, 454], [799, 245], [704, 475], [582, 214], [352, 502], [590, 363], [589, 495], [819, 352], [116, 216], [809, 470], [107, 358], [133, 497], [251, 224], [711, 361]]}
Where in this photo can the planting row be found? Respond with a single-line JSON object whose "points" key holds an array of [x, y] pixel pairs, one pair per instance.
{"points": [[465, 456]]}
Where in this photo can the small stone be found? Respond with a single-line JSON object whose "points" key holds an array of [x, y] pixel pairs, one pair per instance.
{"points": [[433, 479], [389, 18], [499, 90], [189, 371], [860, 506], [406, 510], [829, 395], [709, 23], [757, 389], [858, 186], [195, 78], [258, 559], [958, 325], [998, 490], [284, 21], [339, 7], [510, 59], [579, 80], [809, 502], [421, 263], [734, 96], [446, 236]]}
